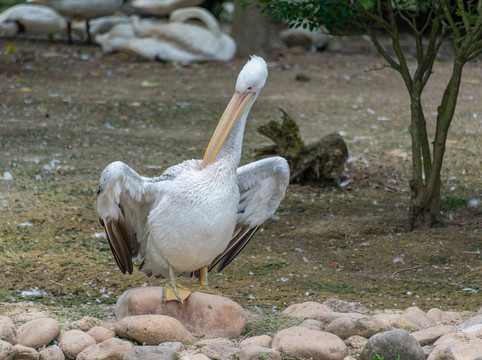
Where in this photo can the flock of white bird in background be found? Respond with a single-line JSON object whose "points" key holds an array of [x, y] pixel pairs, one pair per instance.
{"points": [[173, 40]]}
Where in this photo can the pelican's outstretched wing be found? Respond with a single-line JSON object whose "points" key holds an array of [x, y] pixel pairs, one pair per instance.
{"points": [[262, 186], [123, 204]]}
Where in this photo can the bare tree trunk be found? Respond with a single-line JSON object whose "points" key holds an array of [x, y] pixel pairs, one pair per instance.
{"points": [[250, 30], [424, 209]]}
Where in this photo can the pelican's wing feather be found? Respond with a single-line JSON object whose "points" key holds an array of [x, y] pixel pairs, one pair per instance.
{"points": [[123, 203], [262, 186]]}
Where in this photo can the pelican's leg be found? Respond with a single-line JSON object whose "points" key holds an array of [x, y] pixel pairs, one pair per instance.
{"points": [[203, 282], [87, 29], [172, 291], [69, 31]]}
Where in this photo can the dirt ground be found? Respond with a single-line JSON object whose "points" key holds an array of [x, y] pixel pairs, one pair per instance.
{"points": [[68, 111]]}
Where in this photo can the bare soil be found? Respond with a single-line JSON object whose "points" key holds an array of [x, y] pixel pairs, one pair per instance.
{"points": [[68, 111]]}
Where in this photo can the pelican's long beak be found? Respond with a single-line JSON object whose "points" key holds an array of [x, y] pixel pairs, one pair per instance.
{"points": [[238, 105]]}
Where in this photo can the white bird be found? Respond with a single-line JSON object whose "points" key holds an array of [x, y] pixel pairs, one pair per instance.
{"points": [[82, 9], [162, 7], [198, 213], [183, 42], [101, 25], [31, 18], [313, 40]]}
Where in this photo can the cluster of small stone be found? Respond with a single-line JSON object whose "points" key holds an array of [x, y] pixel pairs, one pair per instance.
{"points": [[334, 330]]}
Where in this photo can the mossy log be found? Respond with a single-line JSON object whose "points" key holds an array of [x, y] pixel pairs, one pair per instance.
{"points": [[320, 163]]}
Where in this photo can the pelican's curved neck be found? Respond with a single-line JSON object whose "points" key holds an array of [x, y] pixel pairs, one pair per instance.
{"points": [[182, 15]]}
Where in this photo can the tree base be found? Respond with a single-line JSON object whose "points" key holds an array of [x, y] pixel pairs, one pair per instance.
{"points": [[423, 209]]}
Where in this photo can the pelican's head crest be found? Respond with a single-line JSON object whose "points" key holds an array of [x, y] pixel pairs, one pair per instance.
{"points": [[253, 76]]}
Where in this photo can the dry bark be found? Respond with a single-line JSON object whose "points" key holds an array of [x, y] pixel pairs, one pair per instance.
{"points": [[320, 163]]}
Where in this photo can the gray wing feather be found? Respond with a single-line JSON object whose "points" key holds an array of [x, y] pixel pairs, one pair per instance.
{"points": [[123, 203], [262, 185]]}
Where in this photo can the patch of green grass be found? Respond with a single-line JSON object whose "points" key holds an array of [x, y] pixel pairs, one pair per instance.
{"points": [[439, 260], [450, 203]]}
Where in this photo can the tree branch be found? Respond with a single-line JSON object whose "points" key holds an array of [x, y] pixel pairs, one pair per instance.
{"points": [[448, 16]]}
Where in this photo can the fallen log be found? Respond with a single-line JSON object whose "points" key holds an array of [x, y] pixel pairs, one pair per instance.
{"points": [[320, 163]]}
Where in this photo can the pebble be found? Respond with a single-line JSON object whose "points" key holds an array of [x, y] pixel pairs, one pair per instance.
{"points": [[326, 333]]}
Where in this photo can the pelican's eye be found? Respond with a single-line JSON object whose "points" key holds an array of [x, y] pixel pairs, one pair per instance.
{"points": [[250, 88]]}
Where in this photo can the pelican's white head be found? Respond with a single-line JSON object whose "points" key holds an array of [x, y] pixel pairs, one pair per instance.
{"points": [[253, 76], [250, 81]]}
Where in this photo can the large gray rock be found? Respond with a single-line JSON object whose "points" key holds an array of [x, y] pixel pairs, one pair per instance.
{"points": [[8, 331], [202, 314], [149, 353], [301, 342], [391, 344], [38, 332], [7, 350], [72, 342], [110, 349], [357, 324], [153, 329]]}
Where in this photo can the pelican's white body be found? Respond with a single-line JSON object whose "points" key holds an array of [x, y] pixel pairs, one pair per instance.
{"points": [[205, 216], [163, 7], [85, 9], [34, 19]]}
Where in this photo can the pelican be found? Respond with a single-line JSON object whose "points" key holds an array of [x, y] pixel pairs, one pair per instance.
{"points": [[162, 7], [199, 213], [183, 42], [31, 18], [82, 9]]}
